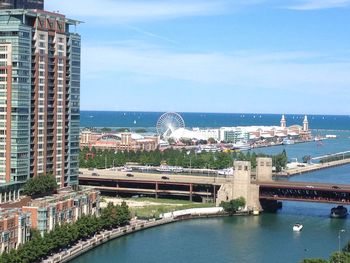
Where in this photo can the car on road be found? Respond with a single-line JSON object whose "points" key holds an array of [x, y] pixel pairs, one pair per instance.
{"points": [[335, 187], [95, 174], [309, 186], [165, 177], [129, 175]]}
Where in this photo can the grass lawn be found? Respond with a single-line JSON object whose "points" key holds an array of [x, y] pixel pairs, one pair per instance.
{"points": [[164, 206]]}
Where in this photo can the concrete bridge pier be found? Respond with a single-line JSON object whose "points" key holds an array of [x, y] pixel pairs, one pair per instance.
{"points": [[157, 189], [191, 192]]}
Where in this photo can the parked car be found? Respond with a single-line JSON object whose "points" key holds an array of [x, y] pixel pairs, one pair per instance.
{"points": [[165, 177], [335, 187], [309, 186], [95, 174], [129, 175]]}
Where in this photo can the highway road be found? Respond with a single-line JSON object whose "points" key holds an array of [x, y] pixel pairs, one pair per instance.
{"points": [[106, 174]]}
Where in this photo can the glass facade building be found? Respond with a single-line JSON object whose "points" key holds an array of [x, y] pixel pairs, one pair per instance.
{"points": [[22, 4], [39, 96]]}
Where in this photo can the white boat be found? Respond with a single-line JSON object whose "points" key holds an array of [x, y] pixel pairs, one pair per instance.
{"points": [[287, 141], [241, 145], [297, 227]]}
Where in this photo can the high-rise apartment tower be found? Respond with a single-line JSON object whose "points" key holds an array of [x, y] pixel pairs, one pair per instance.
{"points": [[39, 96], [22, 4]]}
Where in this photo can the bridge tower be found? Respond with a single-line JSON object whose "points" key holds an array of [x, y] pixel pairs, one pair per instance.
{"points": [[240, 186], [264, 169]]}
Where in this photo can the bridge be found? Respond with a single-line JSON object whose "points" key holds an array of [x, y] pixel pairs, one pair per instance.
{"points": [[253, 187], [305, 192], [152, 184]]}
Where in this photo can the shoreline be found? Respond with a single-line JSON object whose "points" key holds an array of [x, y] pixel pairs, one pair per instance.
{"points": [[135, 226]]}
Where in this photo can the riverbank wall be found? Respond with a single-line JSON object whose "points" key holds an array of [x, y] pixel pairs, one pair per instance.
{"points": [[312, 167], [135, 226], [103, 237]]}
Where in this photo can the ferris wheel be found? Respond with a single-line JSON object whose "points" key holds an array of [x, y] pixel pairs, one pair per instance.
{"points": [[168, 123]]}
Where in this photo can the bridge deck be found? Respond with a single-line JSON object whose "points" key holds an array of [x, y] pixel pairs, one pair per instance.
{"points": [[305, 185], [151, 177]]}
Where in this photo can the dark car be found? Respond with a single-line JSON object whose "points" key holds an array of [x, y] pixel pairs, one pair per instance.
{"points": [[165, 177], [335, 187], [95, 174], [129, 175]]}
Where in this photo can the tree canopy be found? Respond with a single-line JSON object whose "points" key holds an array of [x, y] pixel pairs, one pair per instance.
{"points": [[175, 157], [40, 185], [233, 206]]}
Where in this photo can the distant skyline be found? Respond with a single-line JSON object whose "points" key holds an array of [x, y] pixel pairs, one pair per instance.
{"points": [[263, 56]]}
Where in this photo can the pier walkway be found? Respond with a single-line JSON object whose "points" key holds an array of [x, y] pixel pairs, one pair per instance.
{"points": [[313, 167], [330, 155]]}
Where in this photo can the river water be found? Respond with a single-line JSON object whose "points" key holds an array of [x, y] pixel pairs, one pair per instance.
{"points": [[266, 239]]}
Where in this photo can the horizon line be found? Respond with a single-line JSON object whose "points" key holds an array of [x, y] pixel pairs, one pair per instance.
{"points": [[213, 112]]}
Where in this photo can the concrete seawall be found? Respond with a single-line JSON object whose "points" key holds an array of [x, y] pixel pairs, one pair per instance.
{"points": [[314, 167], [103, 237], [135, 225]]}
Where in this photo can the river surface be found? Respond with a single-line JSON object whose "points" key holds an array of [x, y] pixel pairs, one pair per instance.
{"points": [[266, 239]]}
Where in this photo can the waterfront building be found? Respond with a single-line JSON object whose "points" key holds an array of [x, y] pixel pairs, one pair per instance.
{"points": [[252, 134], [208, 133], [65, 207], [118, 142], [283, 122], [305, 124], [233, 135], [14, 229], [22, 4], [39, 97]]}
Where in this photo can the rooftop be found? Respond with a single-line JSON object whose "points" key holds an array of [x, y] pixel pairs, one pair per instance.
{"points": [[37, 13]]}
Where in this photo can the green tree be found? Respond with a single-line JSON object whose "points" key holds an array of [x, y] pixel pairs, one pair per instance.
{"points": [[65, 235], [314, 260], [342, 257], [306, 158], [105, 130], [40, 185], [231, 207]]}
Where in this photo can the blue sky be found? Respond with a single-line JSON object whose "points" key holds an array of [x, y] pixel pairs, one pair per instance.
{"points": [[266, 56]]}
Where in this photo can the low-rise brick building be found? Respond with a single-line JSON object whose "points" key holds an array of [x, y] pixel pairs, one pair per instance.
{"points": [[65, 207], [14, 229]]}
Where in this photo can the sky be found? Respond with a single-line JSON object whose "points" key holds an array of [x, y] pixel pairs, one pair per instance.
{"points": [[255, 56]]}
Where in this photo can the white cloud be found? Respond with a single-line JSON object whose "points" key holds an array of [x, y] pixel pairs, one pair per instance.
{"points": [[279, 70], [319, 4]]}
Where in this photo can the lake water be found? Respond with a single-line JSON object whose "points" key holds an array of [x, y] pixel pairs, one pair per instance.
{"points": [[266, 239]]}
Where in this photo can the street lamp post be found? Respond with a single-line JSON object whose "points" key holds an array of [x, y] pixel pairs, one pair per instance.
{"points": [[339, 236], [190, 165]]}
